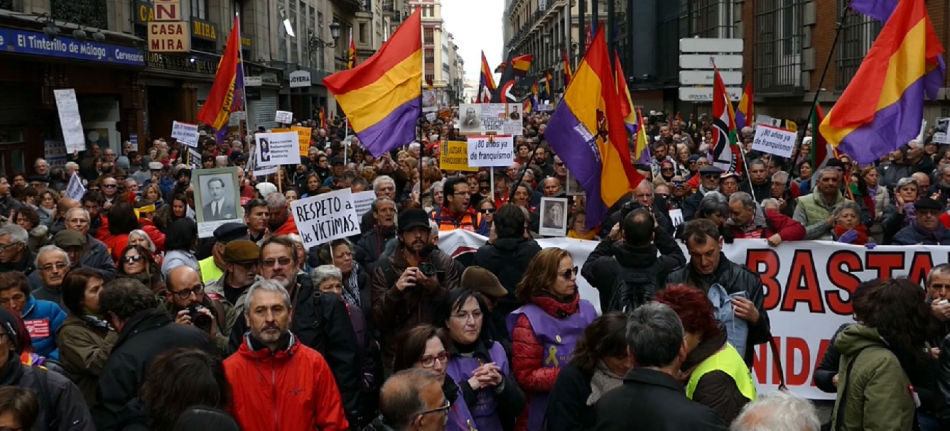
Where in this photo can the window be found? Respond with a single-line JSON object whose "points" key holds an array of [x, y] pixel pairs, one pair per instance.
{"points": [[712, 18], [777, 65], [858, 33], [427, 36], [199, 9], [238, 7], [363, 34]]}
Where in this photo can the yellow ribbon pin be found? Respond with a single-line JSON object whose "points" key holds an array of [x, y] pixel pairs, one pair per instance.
{"points": [[552, 357]]}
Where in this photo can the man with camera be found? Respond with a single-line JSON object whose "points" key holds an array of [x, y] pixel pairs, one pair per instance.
{"points": [[188, 305], [408, 283]]}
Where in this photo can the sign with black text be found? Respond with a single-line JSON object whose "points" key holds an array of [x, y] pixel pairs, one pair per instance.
{"points": [[274, 149], [325, 217], [185, 133], [773, 140], [491, 151]]}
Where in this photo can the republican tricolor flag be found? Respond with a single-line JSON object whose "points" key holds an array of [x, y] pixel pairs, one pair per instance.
{"points": [[487, 82]]}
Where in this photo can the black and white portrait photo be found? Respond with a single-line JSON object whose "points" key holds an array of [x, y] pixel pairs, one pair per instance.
{"points": [[470, 119], [940, 131], [265, 150], [216, 198], [553, 217]]}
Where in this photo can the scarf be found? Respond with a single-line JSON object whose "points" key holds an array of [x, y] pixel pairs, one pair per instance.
{"points": [[351, 287], [860, 229], [603, 381], [591, 234]]}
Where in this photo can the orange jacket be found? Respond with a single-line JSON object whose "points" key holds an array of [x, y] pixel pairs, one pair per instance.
{"points": [[292, 389], [289, 227]]}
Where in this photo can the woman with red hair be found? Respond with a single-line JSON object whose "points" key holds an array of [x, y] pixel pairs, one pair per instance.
{"points": [[715, 374]]}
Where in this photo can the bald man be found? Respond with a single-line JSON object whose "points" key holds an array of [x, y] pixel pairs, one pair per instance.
{"points": [[410, 393], [188, 305]]}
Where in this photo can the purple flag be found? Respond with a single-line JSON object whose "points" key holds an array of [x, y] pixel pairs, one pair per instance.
{"points": [[880, 10]]}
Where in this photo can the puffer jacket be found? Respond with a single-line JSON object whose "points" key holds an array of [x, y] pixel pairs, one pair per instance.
{"points": [[84, 348], [288, 389], [875, 393], [734, 278], [43, 319]]}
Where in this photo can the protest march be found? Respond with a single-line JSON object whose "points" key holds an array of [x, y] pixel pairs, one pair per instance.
{"points": [[527, 257]]}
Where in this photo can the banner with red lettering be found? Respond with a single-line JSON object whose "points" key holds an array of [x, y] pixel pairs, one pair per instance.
{"points": [[807, 285]]}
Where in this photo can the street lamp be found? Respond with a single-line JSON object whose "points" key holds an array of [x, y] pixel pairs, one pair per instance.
{"points": [[547, 38], [315, 42], [335, 30]]}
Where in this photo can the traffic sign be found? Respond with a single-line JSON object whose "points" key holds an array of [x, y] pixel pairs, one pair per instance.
{"points": [[706, 77], [704, 61], [696, 45], [704, 94]]}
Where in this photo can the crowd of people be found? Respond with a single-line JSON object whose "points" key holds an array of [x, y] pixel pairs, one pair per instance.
{"points": [[115, 315]]}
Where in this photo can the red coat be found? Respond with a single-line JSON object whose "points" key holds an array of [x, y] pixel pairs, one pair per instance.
{"points": [[289, 227], [786, 227], [527, 355], [154, 234], [292, 389]]}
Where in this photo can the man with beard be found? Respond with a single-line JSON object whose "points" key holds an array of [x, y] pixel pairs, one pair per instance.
{"points": [[408, 283], [299, 372], [241, 261], [185, 293], [373, 242], [278, 215], [456, 211]]}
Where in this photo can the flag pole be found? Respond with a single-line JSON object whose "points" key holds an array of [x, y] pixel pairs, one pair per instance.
{"points": [[419, 126], [247, 116]]}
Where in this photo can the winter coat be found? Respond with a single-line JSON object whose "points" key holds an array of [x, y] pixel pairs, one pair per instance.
{"points": [[83, 351], [609, 259], [827, 369], [58, 398], [289, 227], [24, 265], [370, 247], [95, 255], [289, 389], [651, 400], [144, 337], [42, 320], [876, 392], [395, 311], [39, 237], [914, 235], [766, 223], [734, 278], [508, 259], [567, 403], [510, 400]]}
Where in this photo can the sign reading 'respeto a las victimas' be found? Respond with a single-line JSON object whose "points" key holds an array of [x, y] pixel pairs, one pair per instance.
{"points": [[326, 217], [773, 140], [485, 152]]}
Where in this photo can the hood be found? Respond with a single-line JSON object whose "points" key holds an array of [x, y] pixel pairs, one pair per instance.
{"points": [[857, 337]]}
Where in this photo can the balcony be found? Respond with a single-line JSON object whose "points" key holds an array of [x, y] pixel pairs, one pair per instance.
{"points": [[389, 6], [91, 13], [349, 5]]}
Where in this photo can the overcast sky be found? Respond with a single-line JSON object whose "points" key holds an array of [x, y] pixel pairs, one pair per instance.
{"points": [[476, 26]]}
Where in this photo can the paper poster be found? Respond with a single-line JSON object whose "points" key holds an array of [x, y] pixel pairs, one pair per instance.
{"points": [[430, 117], [284, 117], [490, 118], [217, 199], [303, 135], [429, 101], [676, 215], [940, 131], [69, 120], [75, 189], [363, 202], [490, 151], [454, 156], [775, 141], [185, 133], [791, 125], [553, 217], [325, 217], [194, 158], [274, 149]]}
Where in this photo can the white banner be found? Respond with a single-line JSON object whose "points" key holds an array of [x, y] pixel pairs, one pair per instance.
{"points": [[774, 140], [325, 217], [807, 285], [491, 151], [185, 133], [275, 149], [284, 117], [75, 189], [69, 120]]}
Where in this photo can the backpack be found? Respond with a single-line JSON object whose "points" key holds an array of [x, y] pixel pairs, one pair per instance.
{"points": [[634, 287]]}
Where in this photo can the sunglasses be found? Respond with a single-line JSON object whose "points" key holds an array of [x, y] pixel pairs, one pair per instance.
{"points": [[284, 261], [679, 183], [487, 211], [132, 259], [569, 273]]}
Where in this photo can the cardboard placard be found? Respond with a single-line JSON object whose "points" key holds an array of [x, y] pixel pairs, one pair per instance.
{"points": [[185, 133], [940, 131], [454, 157], [69, 120], [363, 202], [303, 135], [773, 140], [274, 149], [325, 217], [487, 151]]}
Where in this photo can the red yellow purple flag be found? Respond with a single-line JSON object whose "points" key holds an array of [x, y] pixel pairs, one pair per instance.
{"points": [[225, 95]]}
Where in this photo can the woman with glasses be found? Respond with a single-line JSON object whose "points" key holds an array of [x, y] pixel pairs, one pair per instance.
{"points": [[487, 208], [901, 213], [136, 262], [85, 338], [545, 330], [478, 363], [425, 347], [42, 318]]}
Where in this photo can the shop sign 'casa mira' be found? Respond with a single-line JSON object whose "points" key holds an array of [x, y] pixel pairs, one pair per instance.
{"points": [[300, 78], [168, 32]]}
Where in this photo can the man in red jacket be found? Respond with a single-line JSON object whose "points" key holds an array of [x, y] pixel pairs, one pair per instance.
{"points": [[749, 220], [278, 383]]}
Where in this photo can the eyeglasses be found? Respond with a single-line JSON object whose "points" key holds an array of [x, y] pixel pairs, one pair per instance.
{"points": [[109, 186], [567, 275], [679, 183], [444, 409], [666, 169], [185, 294], [283, 261], [4, 247], [429, 361], [476, 316], [132, 259], [49, 267]]}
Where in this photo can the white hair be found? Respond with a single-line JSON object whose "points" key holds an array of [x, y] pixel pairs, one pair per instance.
{"points": [[777, 411], [414, 146], [266, 286], [48, 249], [140, 232], [17, 234], [380, 179]]}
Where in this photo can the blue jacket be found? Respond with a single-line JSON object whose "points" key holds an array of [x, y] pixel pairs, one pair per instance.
{"points": [[737, 330], [43, 317]]}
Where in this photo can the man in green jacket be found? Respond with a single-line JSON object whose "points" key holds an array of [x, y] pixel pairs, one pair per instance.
{"points": [[814, 211], [229, 292]]}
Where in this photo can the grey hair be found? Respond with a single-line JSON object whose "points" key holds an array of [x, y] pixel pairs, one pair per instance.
{"points": [[381, 179], [942, 269], [655, 335], [86, 213], [777, 411], [771, 201], [50, 248], [72, 165], [744, 198], [276, 200], [400, 399], [713, 203], [17, 234], [323, 273], [943, 169], [140, 232], [266, 286], [221, 161], [375, 205], [648, 184], [905, 181], [414, 146], [436, 185], [780, 176], [755, 162], [826, 169], [846, 205]]}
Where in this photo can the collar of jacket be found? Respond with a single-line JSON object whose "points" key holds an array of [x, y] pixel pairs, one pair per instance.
{"points": [[634, 257], [255, 349], [724, 264], [11, 373], [647, 376], [480, 348], [705, 349], [143, 321]]}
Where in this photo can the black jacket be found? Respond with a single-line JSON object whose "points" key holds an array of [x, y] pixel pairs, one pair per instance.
{"points": [[507, 258], [691, 205], [655, 401], [59, 399], [24, 265], [734, 278], [567, 403], [371, 246], [608, 260], [144, 337]]}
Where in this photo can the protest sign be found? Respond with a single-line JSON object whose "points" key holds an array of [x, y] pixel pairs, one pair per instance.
{"points": [[325, 217], [431, 116], [940, 131], [429, 101], [284, 117], [676, 216], [69, 120], [75, 189], [791, 125], [217, 199], [265, 171], [194, 158], [275, 149], [772, 140], [454, 156], [303, 135], [490, 118], [363, 202], [185, 133], [764, 119], [490, 151]]}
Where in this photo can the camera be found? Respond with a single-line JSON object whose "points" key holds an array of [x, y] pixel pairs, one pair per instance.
{"points": [[427, 269], [629, 207], [200, 320]]}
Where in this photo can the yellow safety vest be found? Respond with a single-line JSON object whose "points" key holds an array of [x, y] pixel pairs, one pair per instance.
{"points": [[730, 362], [209, 271]]}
